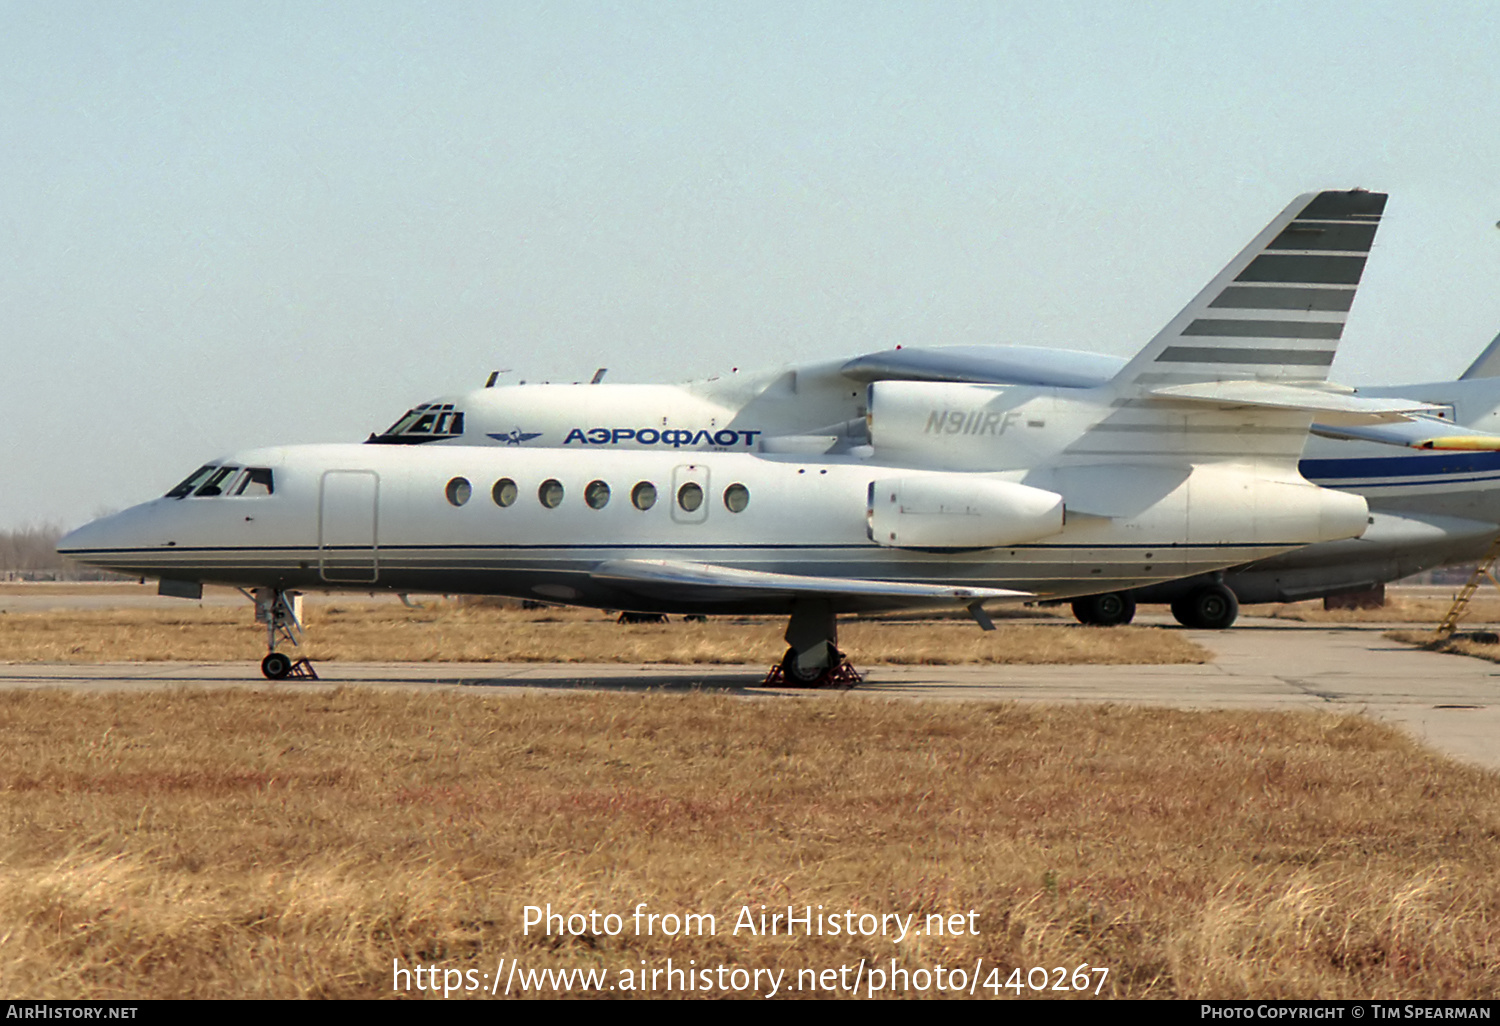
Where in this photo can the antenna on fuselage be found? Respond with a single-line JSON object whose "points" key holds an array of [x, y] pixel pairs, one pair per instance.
{"points": [[599, 375]]}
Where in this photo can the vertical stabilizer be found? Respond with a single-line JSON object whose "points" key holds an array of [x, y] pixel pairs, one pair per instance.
{"points": [[1277, 311], [1488, 364]]}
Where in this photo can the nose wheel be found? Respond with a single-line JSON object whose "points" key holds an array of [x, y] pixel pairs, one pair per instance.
{"points": [[279, 611]]}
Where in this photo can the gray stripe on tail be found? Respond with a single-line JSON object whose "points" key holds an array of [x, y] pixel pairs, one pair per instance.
{"points": [[1348, 238], [1239, 297], [1313, 270], [1344, 206], [1264, 329]]}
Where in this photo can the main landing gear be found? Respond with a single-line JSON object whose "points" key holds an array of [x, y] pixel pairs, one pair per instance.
{"points": [[813, 660], [1209, 607], [1112, 609], [278, 610]]}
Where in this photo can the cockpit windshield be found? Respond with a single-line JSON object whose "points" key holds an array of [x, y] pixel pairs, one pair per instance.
{"points": [[211, 479], [218, 482], [192, 481], [428, 422]]}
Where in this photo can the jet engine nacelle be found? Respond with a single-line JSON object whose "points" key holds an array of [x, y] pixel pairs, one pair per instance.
{"points": [[1227, 504], [959, 511]]}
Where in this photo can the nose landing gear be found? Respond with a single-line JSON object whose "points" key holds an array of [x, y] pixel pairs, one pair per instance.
{"points": [[281, 611]]}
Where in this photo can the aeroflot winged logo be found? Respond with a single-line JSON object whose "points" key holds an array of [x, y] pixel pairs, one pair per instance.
{"points": [[516, 436]]}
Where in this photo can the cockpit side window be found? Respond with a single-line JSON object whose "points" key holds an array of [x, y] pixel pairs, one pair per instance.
{"points": [[257, 481], [219, 482], [192, 481]]}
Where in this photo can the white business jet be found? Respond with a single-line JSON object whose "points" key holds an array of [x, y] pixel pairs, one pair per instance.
{"points": [[1182, 463]]}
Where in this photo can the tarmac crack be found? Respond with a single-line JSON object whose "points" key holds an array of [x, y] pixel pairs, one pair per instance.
{"points": [[1308, 689]]}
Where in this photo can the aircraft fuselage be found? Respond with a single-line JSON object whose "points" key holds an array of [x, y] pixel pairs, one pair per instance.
{"points": [[536, 523]]}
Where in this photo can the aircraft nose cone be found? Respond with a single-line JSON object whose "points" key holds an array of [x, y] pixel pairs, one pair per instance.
{"points": [[99, 542], [83, 544]]}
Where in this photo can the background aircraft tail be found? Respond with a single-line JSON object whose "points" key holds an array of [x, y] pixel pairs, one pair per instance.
{"points": [[1277, 311], [1488, 364]]}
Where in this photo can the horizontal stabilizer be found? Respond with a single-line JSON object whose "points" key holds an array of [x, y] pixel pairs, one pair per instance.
{"points": [[1416, 433], [987, 365], [729, 582], [1331, 407]]}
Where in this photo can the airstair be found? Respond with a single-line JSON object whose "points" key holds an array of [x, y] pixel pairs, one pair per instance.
{"points": [[1461, 601]]}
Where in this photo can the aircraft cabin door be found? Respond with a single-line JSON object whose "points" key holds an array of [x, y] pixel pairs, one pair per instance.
{"points": [[690, 493], [347, 519]]}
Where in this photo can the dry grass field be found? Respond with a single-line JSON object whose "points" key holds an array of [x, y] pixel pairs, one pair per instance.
{"points": [[1459, 644], [472, 632], [277, 843], [1485, 608]]}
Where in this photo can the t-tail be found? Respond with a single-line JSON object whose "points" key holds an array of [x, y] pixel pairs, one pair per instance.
{"points": [[1242, 371], [1277, 311]]}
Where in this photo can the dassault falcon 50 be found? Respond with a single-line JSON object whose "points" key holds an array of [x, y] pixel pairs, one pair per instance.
{"points": [[1183, 462]]}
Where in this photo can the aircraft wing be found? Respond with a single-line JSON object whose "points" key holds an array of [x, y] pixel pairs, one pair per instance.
{"points": [[1416, 433], [680, 578]]}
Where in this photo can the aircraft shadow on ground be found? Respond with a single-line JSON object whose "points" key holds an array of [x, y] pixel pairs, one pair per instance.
{"points": [[731, 683]]}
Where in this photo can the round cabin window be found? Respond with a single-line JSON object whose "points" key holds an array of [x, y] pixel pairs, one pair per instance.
{"points": [[736, 498]]}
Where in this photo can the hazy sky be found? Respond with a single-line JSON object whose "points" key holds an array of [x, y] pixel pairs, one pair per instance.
{"points": [[234, 224]]}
